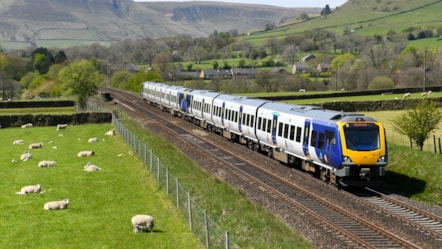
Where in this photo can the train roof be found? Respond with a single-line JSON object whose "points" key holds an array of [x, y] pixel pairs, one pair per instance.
{"points": [[313, 112], [241, 100]]}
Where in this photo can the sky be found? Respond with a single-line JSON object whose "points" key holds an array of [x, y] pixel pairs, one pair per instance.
{"points": [[281, 3]]}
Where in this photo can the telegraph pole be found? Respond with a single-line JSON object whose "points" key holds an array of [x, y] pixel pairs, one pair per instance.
{"points": [[425, 69]]}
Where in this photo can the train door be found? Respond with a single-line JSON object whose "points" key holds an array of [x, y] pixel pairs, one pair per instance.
{"points": [[275, 123], [240, 118], [306, 137]]}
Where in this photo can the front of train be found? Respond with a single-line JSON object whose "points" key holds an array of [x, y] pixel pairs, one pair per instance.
{"points": [[364, 151]]}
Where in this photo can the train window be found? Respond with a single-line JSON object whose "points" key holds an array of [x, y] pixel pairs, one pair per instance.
{"points": [[321, 140], [236, 117], [286, 130], [292, 132], [330, 137], [259, 123], [248, 119], [269, 125], [280, 129], [313, 139], [298, 134], [252, 121]]}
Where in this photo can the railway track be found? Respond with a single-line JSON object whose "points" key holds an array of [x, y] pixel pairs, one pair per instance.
{"points": [[353, 231]]}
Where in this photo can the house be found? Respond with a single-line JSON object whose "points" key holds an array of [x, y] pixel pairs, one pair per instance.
{"points": [[299, 68], [215, 73], [276, 70], [244, 72], [323, 67]]}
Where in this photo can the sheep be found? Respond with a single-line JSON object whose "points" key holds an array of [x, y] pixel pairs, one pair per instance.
{"points": [[28, 125], [25, 156], [18, 142], [29, 189], [53, 205], [302, 90], [86, 153], [89, 167], [424, 94], [406, 95], [92, 139], [110, 133], [429, 92], [44, 164], [142, 223], [61, 126], [35, 146]]}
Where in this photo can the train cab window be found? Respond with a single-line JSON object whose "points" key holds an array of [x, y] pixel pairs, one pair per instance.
{"points": [[298, 134], [259, 123], [313, 138], [321, 140], [280, 129], [269, 125], [330, 137], [292, 132]]}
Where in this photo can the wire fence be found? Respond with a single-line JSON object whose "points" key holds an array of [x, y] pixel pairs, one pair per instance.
{"points": [[432, 144], [209, 233]]}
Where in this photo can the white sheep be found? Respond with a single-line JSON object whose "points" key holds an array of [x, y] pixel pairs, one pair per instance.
{"points": [[44, 164], [110, 133], [52, 205], [25, 156], [86, 153], [89, 167], [61, 126], [18, 142], [28, 125], [35, 146], [142, 223], [30, 189], [406, 95], [92, 139]]}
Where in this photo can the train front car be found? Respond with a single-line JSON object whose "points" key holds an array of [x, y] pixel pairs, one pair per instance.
{"points": [[364, 151]]}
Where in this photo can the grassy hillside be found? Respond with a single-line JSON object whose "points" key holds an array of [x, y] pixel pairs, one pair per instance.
{"points": [[367, 17]]}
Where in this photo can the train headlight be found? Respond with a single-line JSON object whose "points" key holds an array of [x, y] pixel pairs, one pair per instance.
{"points": [[381, 159], [346, 159]]}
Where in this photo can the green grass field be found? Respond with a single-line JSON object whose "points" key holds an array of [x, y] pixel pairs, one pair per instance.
{"points": [[101, 203]]}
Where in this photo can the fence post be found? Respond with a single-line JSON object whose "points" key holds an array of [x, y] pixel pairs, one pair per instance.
{"points": [[227, 240], [440, 147], [151, 161], [411, 143], [206, 224], [167, 181], [189, 205], [158, 171], [434, 144], [177, 187]]}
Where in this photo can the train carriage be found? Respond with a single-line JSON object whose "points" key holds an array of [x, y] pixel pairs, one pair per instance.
{"points": [[201, 107]]}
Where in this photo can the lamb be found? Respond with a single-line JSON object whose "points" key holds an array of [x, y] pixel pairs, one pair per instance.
{"points": [[28, 125], [92, 139], [29, 189], [44, 164], [86, 153], [142, 223], [61, 126], [406, 95], [53, 205], [18, 142], [25, 156], [89, 167], [110, 133], [35, 146]]}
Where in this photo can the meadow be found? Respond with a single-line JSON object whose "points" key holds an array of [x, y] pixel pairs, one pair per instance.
{"points": [[101, 203]]}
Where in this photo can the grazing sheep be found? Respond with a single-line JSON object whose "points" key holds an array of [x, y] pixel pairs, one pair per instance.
{"points": [[61, 126], [429, 93], [53, 205], [406, 95], [86, 153], [89, 167], [110, 133], [44, 164], [25, 156], [19, 141], [29, 190], [424, 94], [35, 146], [28, 125], [142, 223], [92, 139]]}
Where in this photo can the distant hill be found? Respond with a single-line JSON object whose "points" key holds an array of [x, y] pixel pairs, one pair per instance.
{"points": [[65, 23]]}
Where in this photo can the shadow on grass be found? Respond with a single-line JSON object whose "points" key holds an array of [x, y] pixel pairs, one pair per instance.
{"points": [[394, 183]]}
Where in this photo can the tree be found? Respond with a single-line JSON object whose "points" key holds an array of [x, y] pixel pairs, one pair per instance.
{"points": [[418, 122], [81, 79]]}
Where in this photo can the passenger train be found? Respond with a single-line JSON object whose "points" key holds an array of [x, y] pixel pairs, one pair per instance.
{"points": [[341, 148]]}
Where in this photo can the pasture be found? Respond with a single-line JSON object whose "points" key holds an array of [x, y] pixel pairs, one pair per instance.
{"points": [[101, 203]]}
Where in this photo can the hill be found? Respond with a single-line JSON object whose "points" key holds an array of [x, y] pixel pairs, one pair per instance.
{"points": [[64, 23]]}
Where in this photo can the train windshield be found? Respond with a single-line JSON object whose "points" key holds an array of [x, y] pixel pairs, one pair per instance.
{"points": [[362, 136]]}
